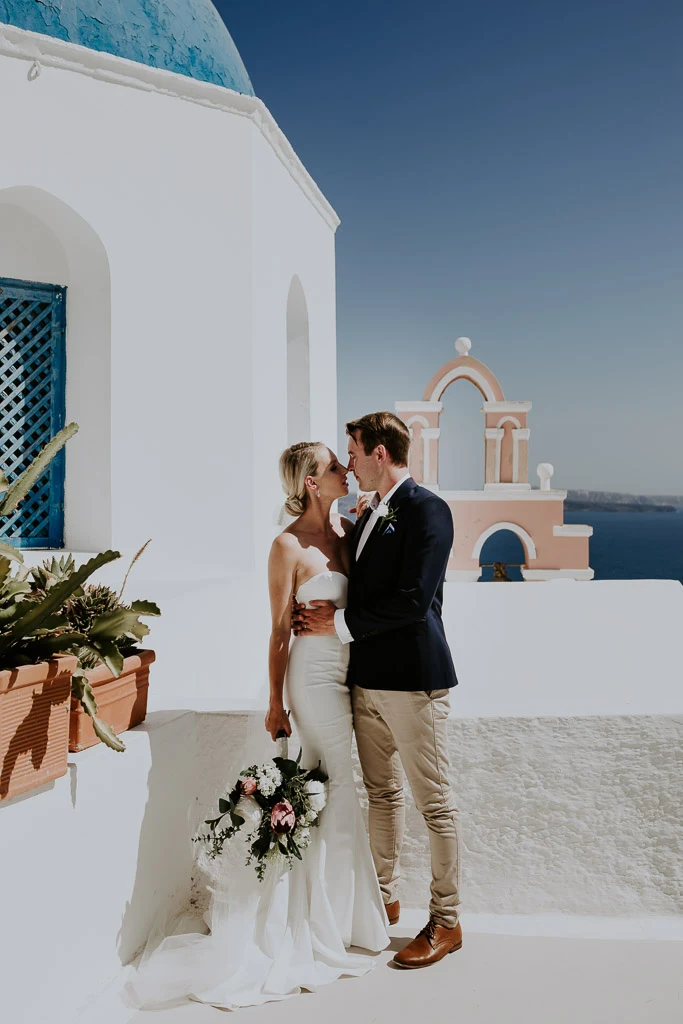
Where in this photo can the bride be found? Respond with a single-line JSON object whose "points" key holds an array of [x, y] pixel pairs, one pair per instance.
{"points": [[268, 940]]}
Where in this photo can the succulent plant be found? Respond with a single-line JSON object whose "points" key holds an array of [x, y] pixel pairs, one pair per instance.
{"points": [[45, 610], [34, 627], [98, 628], [13, 493]]}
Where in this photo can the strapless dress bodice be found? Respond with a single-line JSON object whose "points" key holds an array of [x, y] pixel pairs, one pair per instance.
{"points": [[324, 586]]}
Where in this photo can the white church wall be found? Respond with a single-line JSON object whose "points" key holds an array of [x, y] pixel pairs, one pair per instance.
{"points": [[42, 239], [293, 254], [202, 228], [29, 251]]}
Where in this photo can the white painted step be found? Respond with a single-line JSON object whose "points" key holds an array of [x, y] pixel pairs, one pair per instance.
{"points": [[512, 978]]}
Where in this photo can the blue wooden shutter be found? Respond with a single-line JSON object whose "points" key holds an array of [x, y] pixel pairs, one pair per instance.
{"points": [[32, 405]]}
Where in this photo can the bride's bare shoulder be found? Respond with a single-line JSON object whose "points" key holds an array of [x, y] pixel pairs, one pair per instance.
{"points": [[285, 547]]}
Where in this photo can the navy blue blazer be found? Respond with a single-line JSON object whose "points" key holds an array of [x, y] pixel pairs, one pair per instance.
{"points": [[396, 593]]}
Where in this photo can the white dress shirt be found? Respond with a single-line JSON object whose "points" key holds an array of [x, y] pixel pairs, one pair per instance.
{"points": [[340, 626]]}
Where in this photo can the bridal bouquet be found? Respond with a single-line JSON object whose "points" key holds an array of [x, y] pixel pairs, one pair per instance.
{"points": [[274, 805]]}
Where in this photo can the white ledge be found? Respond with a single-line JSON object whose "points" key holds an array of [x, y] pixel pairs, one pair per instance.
{"points": [[507, 406], [558, 574], [418, 406], [572, 530], [506, 487], [106, 67], [497, 494]]}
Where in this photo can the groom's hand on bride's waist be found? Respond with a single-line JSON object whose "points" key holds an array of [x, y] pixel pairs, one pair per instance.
{"points": [[315, 621]]}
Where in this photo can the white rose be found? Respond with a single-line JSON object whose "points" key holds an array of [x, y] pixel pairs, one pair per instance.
{"points": [[248, 809], [317, 797], [269, 778], [302, 837]]}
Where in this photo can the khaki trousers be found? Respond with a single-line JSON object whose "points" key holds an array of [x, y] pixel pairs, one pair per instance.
{"points": [[395, 728]]}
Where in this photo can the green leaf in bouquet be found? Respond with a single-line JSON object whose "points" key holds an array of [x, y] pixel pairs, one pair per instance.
{"points": [[293, 848], [317, 775], [286, 766], [260, 847], [223, 805], [236, 819]]}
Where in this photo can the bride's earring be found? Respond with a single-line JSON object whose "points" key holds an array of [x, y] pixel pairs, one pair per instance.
{"points": [[317, 491]]}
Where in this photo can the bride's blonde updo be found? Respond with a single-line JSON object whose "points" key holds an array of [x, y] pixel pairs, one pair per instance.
{"points": [[296, 463]]}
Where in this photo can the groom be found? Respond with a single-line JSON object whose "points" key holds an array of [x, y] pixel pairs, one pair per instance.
{"points": [[400, 670]]}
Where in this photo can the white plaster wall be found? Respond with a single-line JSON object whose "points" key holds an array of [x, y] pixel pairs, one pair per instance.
{"points": [[289, 239], [183, 417], [29, 251], [45, 240], [87, 862], [567, 815], [560, 815], [605, 647]]}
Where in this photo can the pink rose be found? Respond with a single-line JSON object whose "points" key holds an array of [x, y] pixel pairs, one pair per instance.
{"points": [[283, 818], [248, 786]]}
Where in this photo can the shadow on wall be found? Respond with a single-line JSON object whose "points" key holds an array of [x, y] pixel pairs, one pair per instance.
{"points": [[192, 764], [32, 733], [165, 853]]}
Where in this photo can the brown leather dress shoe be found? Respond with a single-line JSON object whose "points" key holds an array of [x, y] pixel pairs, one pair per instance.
{"points": [[393, 911], [432, 944]]}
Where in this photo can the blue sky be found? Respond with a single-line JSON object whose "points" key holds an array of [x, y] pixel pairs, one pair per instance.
{"points": [[510, 172]]}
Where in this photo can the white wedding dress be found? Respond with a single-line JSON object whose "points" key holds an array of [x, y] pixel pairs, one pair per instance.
{"points": [[268, 940]]}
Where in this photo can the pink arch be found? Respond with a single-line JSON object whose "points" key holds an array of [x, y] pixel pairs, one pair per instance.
{"points": [[467, 368]]}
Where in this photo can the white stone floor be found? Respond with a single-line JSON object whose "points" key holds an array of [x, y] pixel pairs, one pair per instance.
{"points": [[507, 978]]}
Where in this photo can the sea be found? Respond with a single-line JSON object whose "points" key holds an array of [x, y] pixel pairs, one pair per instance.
{"points": [[624, 545], [634, 545]]}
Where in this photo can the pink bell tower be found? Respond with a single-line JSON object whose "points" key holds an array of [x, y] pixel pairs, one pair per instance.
{"points": [[553, 548]]}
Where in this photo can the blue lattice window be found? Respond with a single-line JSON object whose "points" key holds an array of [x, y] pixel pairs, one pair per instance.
{"points": [[32, 405]]}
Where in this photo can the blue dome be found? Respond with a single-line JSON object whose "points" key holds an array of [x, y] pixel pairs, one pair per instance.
{"points": [[185, 36]]}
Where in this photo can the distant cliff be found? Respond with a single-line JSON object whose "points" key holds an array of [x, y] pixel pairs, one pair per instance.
{"points": [[610, 501]]}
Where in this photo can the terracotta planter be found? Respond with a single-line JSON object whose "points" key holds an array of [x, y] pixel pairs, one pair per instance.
{"points": [[34, 724], [121, 700]]}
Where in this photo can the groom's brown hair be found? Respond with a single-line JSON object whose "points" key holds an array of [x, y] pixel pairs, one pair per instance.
{"points": [[382, 428]]}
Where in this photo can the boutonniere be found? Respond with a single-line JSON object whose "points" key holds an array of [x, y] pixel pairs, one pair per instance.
{"points": [[387, 517]]}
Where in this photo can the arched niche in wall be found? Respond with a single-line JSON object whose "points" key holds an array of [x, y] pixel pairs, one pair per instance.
{"points": [[42, 238], [504, 542], [298, 372]]}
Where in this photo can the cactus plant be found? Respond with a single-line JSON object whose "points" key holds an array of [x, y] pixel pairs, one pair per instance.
{"points": [[98, 628], [46, 611], [13, 493]]}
